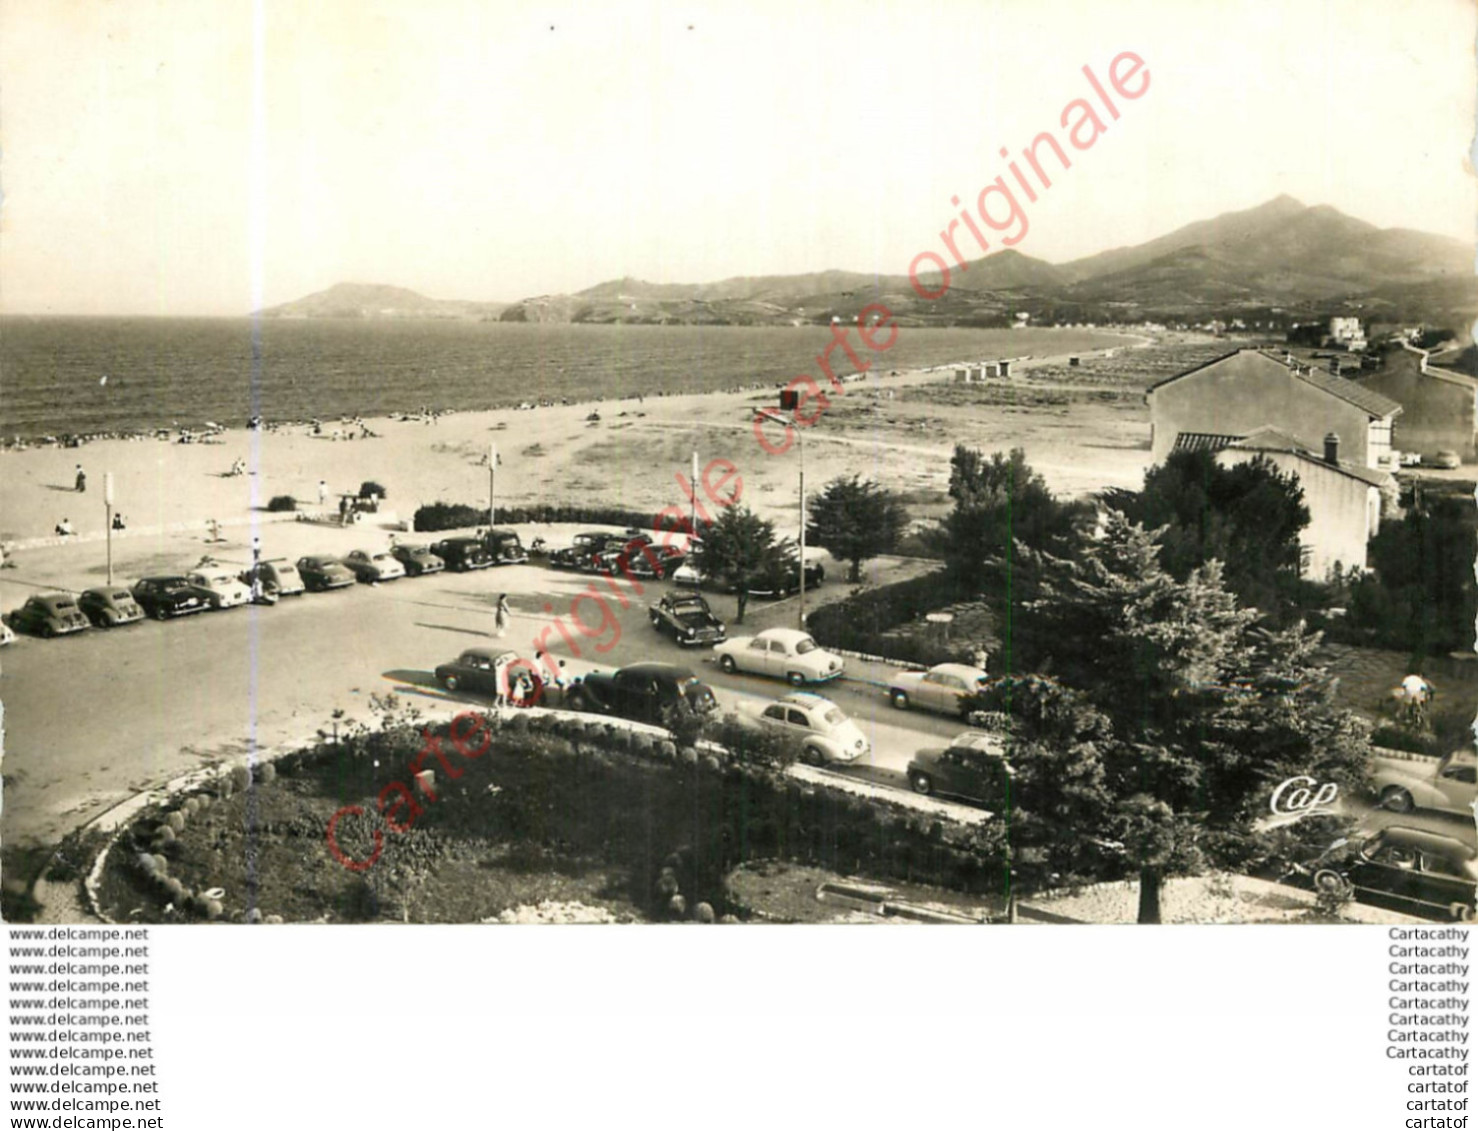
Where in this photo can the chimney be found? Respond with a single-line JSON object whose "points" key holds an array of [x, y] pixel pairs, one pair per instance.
{"points": [[1331, 448]]}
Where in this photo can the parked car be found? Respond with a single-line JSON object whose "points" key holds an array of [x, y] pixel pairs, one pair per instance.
{"points": [[504, 547], [824, 733], [784, 577], [1404, 869], [1445, 459], [644, 693], [418, 560], [973, 767], [225, 591], [277, 577], [486, 671], [462, 554], [585, 551], [48, 615], [944, 687], [323, 571], [1449, 784], [639, 555], [785, 653], [687, 618], [165, 597], [372, 566], [108, 606]]}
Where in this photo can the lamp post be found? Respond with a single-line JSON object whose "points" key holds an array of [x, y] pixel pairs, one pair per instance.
{"points": [[790, 399], [492, 486], [108, 519]]}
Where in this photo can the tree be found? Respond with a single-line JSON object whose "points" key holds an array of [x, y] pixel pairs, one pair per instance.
{"points": [[855, 520], [999, 502], [737, 547], [1208, 712], [1248, 516]]}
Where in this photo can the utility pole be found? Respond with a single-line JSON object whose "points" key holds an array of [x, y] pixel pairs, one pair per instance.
{"points": [[492, 486], [108, 518], [693, 506], [801, 437]]}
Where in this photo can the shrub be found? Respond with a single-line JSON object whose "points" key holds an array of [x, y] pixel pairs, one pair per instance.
{"points": [[456, 516], [859, 622], [749, 745], [279, 503], [448, 516], [370, 489]]}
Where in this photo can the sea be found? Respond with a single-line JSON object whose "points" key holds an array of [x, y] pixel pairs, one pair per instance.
{"points": [[64, 376]]}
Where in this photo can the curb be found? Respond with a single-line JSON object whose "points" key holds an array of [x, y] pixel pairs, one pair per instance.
{"points": [[53, 540]]}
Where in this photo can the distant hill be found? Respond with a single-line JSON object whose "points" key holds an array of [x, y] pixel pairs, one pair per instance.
{"points": [[374, 300], [1282, 259]]}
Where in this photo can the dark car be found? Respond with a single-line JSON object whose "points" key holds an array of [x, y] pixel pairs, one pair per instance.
{"points": [[462, 554], [638, 555], [49, 614], [644, 693], [322, 571], [1404, 869], [972, 768], [487, 671], [109, 606], [165, 597], [418, 560], [784, 578], [504, 547], [687, 618], [585, 551]]}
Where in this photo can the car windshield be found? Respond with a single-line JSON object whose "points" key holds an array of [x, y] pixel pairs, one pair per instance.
{"points": [[803, 645], [121, 596], [835, 717], [286, 571]]}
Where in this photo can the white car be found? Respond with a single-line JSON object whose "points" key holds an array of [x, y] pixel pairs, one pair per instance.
{"points": [[942, 688], [226, 590], [7, 634], [785, 653], [818, 725]]}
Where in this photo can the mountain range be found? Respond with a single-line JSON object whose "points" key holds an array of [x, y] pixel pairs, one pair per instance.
{"points": [[1280, 260]]}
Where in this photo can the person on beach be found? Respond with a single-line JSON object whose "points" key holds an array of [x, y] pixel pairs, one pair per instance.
{"points": [[64, 528], [322, 492], [118, 523], [503, 616], [81, 479]]}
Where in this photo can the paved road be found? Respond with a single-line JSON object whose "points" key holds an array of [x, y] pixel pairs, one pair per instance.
{"points": [[94, 718]]}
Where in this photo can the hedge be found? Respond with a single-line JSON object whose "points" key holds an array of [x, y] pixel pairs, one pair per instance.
{"points": [[858, 623], [458, 516]]}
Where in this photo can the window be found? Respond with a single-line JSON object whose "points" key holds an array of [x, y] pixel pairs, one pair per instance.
{"points": [[797, 718], [803, 645], [1468, 775], [835, 717], [776, 712], [759, 645]]}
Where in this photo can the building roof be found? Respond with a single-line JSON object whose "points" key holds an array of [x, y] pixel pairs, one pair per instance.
{"points": [[1202, 442], [1368, 400], [1271, 439]]}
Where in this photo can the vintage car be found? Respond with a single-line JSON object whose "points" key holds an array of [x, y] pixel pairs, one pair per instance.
{"points": [[504, 547], [1404, 869], [944, 688], [462, 554], [323, 571], [644, 693], [165, 597], [973, 768], [373, 565], [1446, 460], [277, 577], [639, 555], [785, 653], [226, 590], [823, 733], [687, 618], [1415, 782], [48, 615], [784, 577], [499, 673], [418, 560], [585, 551], [108, 606], [7, 634]]}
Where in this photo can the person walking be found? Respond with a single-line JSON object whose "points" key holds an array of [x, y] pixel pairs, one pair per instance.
{"points": [[81, 479], [322, 492], [503, 616]]}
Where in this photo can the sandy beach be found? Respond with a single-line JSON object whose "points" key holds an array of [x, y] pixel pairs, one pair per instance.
{"points": [[168, 492]]}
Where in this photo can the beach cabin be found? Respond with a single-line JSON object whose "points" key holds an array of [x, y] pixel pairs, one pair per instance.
{"points": [[1005, 368]]}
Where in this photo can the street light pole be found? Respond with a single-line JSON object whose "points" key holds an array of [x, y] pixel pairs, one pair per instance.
{"points": [[108, 518], [492, 486], [801, 436]]}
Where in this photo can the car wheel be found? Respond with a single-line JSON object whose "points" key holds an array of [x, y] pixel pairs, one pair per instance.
{"points": [[161, 613], [1397, 800], [812, 756], [109, 621], [449, 682], [726, 662], [795, 679], [1331, 882], [47, 632], [900, 700], [922, 783], [575, 701], [1461, 912]]}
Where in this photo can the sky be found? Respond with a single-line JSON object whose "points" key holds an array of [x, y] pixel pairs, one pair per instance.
{"points": [[175, 157]]}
